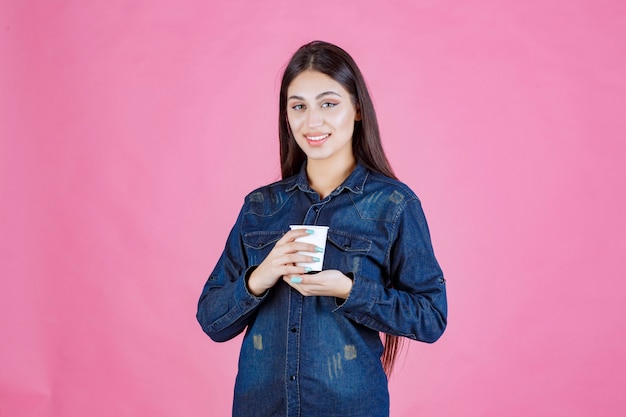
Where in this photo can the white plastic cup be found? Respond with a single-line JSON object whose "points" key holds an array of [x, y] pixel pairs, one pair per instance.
{"points": [[318, 238]]}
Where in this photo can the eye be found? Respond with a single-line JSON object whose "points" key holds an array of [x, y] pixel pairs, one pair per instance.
{"points": [[298, 107], [329, 105]]}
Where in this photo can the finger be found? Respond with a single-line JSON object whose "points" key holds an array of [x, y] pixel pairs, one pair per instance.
{"points": [[305, 285], [292, 235], [293, 247], [296, 247], [303, 280], [296, 279], [307, 248], [294, 270], [298, 257]]}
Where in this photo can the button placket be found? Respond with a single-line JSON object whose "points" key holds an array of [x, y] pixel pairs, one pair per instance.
{"points": [[293, 351]]}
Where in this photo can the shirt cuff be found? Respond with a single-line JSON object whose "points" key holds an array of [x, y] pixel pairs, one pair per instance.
{"points": [[361, 298], [246, 277], [243, 296]]}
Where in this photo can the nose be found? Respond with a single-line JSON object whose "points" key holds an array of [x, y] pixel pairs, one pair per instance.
{"points": [[314, 118]]}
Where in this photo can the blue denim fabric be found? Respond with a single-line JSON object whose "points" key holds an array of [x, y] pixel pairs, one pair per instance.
{"points": [[320, 356]]}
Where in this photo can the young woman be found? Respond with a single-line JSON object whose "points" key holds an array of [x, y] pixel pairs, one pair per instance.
{"points": [[312, 344]]}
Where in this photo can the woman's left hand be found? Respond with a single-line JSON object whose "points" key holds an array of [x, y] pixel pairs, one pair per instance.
{"points": [[330, 283]]}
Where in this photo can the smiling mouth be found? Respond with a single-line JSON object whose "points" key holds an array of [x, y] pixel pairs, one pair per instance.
{"points": [[317, 138]]}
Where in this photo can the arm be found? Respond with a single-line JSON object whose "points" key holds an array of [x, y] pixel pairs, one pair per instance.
{"points": [[416, 306], [226, 305]]}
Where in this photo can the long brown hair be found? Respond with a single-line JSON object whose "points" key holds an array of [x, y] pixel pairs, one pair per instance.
{"points": [[367, 148]]}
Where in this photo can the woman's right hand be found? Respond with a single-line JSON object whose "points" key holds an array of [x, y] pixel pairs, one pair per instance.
{"points": [[281, 261]]}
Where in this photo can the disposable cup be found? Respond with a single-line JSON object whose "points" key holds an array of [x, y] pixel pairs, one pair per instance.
{"points": [[318, 238]]}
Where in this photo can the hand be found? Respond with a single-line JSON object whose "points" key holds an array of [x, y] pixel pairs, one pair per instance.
{"points": [[330, 283], [281, 261]]}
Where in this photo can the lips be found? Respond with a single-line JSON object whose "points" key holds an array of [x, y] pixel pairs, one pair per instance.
{"points": [[316, 139]]}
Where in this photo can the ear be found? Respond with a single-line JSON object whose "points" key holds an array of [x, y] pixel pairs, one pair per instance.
{"points": [[357, 118]]}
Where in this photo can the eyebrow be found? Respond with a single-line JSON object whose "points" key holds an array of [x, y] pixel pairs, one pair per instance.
{"points": [[320, 95]]}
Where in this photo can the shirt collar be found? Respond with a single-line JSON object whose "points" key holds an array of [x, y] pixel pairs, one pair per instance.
{"points": [[354, 183]]}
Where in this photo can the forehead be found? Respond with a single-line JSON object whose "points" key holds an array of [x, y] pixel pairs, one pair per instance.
{"points": [[309, 84]]}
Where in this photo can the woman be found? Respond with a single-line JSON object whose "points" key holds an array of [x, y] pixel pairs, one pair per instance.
{"points": [[312, 345]]}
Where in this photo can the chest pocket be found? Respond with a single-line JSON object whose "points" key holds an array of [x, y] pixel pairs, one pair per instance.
{"points": [[345, 252], [259, 244]]}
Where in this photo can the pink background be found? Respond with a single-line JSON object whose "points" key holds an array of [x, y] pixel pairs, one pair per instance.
{"points": [[131, 131]]}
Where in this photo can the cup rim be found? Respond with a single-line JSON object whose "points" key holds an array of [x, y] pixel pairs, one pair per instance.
{"points": [[311, 226]]}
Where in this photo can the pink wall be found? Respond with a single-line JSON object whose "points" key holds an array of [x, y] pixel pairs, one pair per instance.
{"points": [[131, 130]]}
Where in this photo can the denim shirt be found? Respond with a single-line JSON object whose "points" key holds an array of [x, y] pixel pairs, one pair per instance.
{"points": [[320, 356]]}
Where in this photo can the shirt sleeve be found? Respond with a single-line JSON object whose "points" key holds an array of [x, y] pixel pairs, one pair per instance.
{"points": [[415, 306], [226, 306]]}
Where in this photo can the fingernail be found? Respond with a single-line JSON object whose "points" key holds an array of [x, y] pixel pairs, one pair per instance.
{"points": [[296, 280], [307, 269], [318, 249], [316, 259], [310, 232]]}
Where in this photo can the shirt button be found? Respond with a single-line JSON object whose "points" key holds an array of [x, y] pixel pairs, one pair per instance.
{"points": [[294, 329], [292, 377]]}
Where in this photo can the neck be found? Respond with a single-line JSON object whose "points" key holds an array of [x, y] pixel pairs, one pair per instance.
{"points": [[326, 175]]}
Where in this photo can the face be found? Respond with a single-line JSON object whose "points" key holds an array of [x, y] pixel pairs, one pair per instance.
{"points": [[321, 116]]}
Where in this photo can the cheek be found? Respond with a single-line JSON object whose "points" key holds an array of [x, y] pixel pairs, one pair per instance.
{"points": [[344, 120], [293, 122]]}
